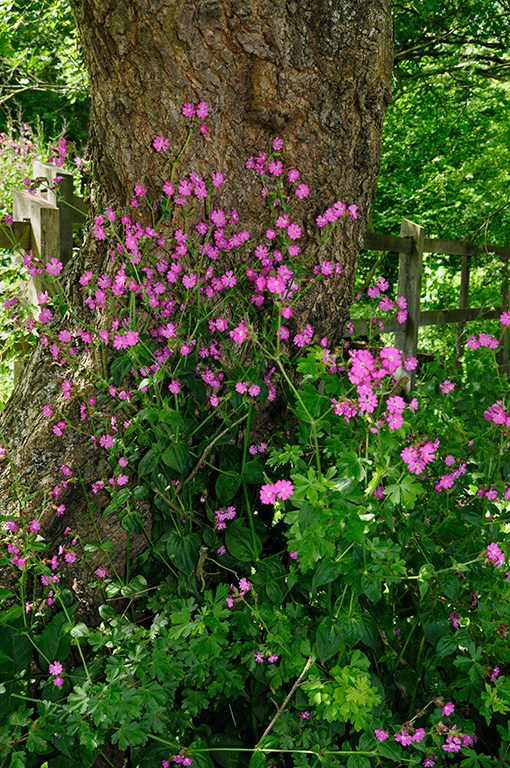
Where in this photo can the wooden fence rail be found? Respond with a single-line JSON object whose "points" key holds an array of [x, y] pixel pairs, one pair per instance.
{"points": [[44, 224]]}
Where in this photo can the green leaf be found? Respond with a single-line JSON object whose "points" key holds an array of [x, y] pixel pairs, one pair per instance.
{"points": [[149, 462], [390, 749], [176, 457], [446, 645], [120, 367], [183, 551], [17, 648], [253, 473], [372, 587], [135, 586], [351, 628], [327, 571], [55, 641], [329, 638], [358, 761], [227, 759], [258, 760], [227, 486], [240, 542]]}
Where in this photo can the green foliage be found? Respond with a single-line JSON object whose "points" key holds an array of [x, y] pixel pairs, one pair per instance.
{"points": [[341, 597], [43, 75]]}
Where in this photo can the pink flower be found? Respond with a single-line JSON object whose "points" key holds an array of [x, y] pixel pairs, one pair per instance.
{"points": [[505, 318], [188, 110], [284, 489], [404, 737], [446, 386], [271, 659], [259, 657], [381, 735], [56, 668], [54, 266], [302, 191], [161, 144], [495, 554], [239, 334], [448, 708], [304, 715], [268, 494]]}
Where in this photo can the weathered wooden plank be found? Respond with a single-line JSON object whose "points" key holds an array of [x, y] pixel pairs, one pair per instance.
{"points": [[374, 241], [19, 233], [446, 316], [364, 327], [409, 285], [462, 248], [460, 339], [80, 210]]}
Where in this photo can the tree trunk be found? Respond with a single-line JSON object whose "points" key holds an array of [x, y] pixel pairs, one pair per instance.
{"points": [[316, 73]]}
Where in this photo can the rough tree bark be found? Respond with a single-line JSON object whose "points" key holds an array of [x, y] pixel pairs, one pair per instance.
{"points": [[314, 72]]}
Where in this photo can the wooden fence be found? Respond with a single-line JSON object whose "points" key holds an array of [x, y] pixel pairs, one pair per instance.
{"points": [[44, 225], [411, 247]]}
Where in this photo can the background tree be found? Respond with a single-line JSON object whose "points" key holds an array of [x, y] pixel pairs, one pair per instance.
{"points": [[42, 76]]}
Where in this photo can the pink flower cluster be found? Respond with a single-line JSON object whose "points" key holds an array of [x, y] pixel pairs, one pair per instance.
{"points": [[497, 414], [221, 515], [283, 489], [367, 373], [238, 592], [495, 555], [483, 340], [446, 482], [56, 669], [418, 457], [181, 758]]}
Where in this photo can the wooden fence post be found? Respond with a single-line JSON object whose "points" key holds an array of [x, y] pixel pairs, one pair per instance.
{"points": [[463, 304], [409, 285], [503, 353], [44, 221], [62, 199]]}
